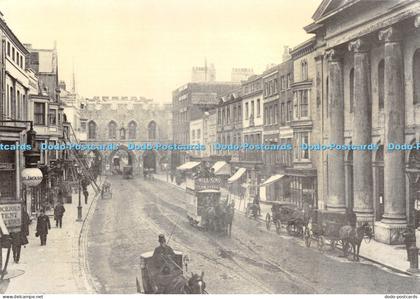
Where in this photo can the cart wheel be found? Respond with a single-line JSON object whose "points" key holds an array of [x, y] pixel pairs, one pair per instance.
{"points": [[268, 221], [278, 226]]}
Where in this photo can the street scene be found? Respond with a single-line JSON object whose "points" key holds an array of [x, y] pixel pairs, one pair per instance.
{"points": [[152, 150]]}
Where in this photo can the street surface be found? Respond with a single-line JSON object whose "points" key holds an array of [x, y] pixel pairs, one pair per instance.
{"points": [[253, 260]]}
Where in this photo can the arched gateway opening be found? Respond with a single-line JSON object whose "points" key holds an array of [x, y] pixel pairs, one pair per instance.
{"points": [[120, 158]]}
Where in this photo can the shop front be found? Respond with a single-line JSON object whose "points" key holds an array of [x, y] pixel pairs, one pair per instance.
{"points": [[303, 186]]}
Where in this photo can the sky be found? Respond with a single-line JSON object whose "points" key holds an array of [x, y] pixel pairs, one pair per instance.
{"points": [[148, 47]]}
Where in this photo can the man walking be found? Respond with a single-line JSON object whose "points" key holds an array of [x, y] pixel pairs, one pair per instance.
{"points": [[58, 214], [86, 195], [42, 226], [20, 238]]}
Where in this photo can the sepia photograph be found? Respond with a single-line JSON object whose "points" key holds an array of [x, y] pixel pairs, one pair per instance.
{"points": [[209, 147]]}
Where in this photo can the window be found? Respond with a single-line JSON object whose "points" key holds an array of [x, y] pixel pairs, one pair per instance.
{"points": [[52, 117], [305, 140], [193, 134], [265, 115], [21, 61], [198, 133], [282, 114], [18, 104], [283, 83], [92, 130], [239, 112], [112, 130], [289, 111], [246, 110], [258, 108], [304, 66], [351, 87], [219, 116], [13, 54], [8, 49], [289, 80], [276, 113], [381, 80], [228, 114], [234, 113], [39, 113], [304, 103], [12, 103], [276, 85], [252, 108], [132, 130], [416, 77], [152, 130], [296, 105], [83, 125]]}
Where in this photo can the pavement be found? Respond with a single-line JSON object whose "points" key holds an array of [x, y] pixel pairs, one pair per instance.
{"points": [[393, 257], [58, 267]]}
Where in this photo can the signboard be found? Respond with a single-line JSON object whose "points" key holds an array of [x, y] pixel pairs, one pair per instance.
{"points": [[207, 183], [32, 177], [11, 214], [203, 98]]}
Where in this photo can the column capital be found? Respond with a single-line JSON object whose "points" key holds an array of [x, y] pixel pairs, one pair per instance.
{"points": [[359, 45], [333, 55], [391, 34], [417, 21]]}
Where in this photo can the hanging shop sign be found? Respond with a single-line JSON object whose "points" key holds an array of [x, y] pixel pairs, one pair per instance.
{"points": [[11, 213], [31, 177]]}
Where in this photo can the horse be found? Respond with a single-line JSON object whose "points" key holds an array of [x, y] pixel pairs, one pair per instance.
{"points": [[227, 217], [351, 236], [178, 284]]}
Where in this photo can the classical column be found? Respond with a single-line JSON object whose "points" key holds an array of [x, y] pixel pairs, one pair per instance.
{"points": [[362, 130], [394, 218], [336, 179]]}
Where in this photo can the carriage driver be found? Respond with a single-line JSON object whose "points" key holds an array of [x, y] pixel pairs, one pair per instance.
{"points": [[163, 256]]}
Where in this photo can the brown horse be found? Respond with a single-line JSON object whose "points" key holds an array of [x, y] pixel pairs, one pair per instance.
{"points": [[351, 236]]}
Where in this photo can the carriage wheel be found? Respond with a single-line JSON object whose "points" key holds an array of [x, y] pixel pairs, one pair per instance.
{"points": [[278, 226], [268, 221]]}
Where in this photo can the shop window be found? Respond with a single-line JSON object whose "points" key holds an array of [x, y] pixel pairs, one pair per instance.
{"points": [[39, 113]]}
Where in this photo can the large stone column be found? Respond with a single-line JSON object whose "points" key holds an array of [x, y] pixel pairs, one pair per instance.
{"points": [[362, 130], [394, 218], [336, 179]]}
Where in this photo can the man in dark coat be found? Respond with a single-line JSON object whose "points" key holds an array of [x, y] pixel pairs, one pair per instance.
{"points": [[86, 195], [42, 226], [163, 255], [20, 238], [58, 214]]}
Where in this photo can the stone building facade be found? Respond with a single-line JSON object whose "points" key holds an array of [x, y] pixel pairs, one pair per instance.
{"points": [[367, 57], [124, 121]]}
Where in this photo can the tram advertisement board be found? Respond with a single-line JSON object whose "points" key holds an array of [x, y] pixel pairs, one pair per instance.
{"points": [[207, 183]]}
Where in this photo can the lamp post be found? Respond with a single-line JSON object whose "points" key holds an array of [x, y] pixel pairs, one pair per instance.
{"points": [[79, 207]]}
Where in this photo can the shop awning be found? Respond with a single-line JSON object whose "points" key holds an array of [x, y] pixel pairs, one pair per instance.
{"points": [[237, 175], [273, 178], [188, 165], [221, 167]]}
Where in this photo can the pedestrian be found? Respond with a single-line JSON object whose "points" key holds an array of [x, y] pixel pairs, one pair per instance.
{"points": [[86, 195], [20, 239], [42, 226], [58, 214], [172, 176]]}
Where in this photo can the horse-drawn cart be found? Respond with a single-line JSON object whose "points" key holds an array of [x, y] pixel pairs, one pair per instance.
{"points": [[288, 214], [169, 279], [106, 192], [334, 228]]}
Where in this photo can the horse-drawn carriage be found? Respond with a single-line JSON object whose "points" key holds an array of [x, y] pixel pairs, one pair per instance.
{"points": [[288, 214], [168, 279], [128, 172], [106, 192], [334, 228], [207, 210]]}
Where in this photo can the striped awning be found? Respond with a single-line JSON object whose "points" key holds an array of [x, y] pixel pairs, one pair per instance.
{"points": [[188, 165], [273, 178], [237, 175]]}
